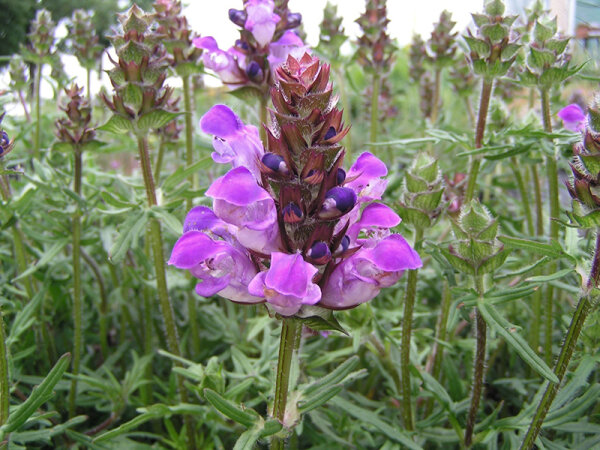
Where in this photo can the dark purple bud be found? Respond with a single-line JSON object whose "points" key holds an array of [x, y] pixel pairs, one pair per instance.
{"points": [[292, 213], [254, 71], [4, 140], [319, 253], [238, 17], [338, 201], [330, 133], [341, 176], [242, 45], [294, 20], [344, 244], [275, 163]]}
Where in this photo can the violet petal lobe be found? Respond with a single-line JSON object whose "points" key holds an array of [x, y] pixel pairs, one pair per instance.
{"points": [[238, 187], [289, 274], [573, 117], [221, 121]]}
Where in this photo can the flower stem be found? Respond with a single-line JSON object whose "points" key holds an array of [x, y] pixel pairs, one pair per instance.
{"points": [[409, 306], [436, 96], [524, 195], [288, 344], [88, 74], [375, 107], [77, 301], [484, 103], [24, 105], [4, 379], [103, 325], [36, 92], [539, 207], [552, 174], [566, 352], [189, 151], [155, 236], [435, 360], [478, 369], [159, 158]]}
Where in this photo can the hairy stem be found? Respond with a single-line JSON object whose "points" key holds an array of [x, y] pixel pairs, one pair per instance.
{"points": [[24, 105], [436, 96], [435, 361], [168, 316], [103, 301], [189, 143], [288, 344], [524, 195], [159, 158], [409, 305], [478, 369], [88, 74], [36, 93], [4, 379], [77, 300], [484, 104], [375, 107], [552, 173], [566, 352]]}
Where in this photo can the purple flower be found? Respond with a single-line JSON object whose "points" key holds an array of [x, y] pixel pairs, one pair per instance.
{"points": [[288, 44], [240, 201], [234, 142], [221, 268], [364, 177], [287, 285], [261, 21], [360, 277], [224, 64], [376, 219], [573, 117]]}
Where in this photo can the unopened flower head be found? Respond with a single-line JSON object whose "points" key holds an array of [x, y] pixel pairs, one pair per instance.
{"points": [[75, 128], [83, 41], [6, 144], [289, 225]]}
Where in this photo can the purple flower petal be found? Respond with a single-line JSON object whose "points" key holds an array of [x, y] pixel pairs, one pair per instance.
{"points": [[288, 44], [200, 218], [365, 177], [191, 249], [573, 117], [289, 274], [238, 187], [393, 254], [261, 20], [221, 121], [206, 43], [375, 217]]}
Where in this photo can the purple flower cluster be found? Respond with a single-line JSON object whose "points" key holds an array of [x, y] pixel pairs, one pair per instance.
{"points": [[266, 35], [237, 249]]}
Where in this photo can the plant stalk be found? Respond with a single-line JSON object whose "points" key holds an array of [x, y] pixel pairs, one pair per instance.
{"points": [[24, 105], [4, 378], [288, 345], [524, 195], [88, 74], [409, 306], [566, 352], [36, 92], [103, 325], [479, 368], [77, 300], [189, 138], [263, 119], [155, 236], [484, 104], [375, 107], [552, 174], [436, 96]]}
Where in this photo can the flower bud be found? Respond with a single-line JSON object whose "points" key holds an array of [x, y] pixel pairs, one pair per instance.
{"points": [[238, 17], [476, 250], [338, 201], [6, 145], [422, 192], [319, 253]]}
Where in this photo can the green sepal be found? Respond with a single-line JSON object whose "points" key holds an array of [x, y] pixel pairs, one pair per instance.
{"points": [[583, 219], [132, 51], [117, 124], [414, 216], [155, 119], [490, 232], [558, 46], [541, 32], [540, 58], [187, 69], [458, 263], [134, 20], [480, 19], [415, 183], [132, 95], [556, 75], [528, 78], [428, 201], [493, 262], [494, 8], [478, 46], [495, 32], [509, 51], [247, 94], [319, 319]]}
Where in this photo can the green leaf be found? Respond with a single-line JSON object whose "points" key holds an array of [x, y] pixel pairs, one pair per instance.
{"points": [[508, 331], [117, 125], [320, 319], [130, 230], [372, 419], [457, 262], [246, 417], [153, 412], [40, 395], [170, 221], [248, 439], [46, 258], [155, 119], [247, 94], [319, 398], [183, 173], [551, 277], [334, 377], [553, 250]]}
